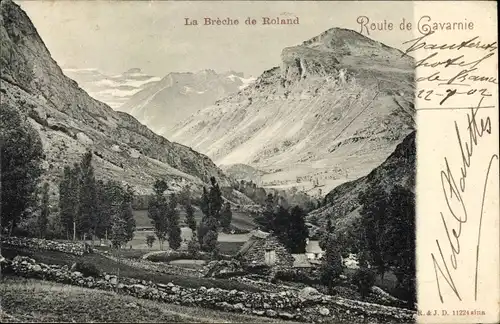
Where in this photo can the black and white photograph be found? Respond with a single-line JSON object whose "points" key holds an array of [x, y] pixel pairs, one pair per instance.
{"points": [[207, 162]]}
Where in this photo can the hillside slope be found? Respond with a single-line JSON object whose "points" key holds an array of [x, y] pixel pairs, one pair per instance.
{"points": [[335, 109], [343, 202], [179, 95], [70, 122]]}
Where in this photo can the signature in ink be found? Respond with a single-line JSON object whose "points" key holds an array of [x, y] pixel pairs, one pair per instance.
{"points": [[454, 186]]}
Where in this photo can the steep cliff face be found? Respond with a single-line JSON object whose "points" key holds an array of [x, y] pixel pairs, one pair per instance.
{"points": [[343, 202], [338, 105], [178, 95], [70, 122]]}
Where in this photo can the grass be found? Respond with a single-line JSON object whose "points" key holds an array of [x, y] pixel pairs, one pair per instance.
{"points": [[112, 267], [240, 220], [27, 300]]}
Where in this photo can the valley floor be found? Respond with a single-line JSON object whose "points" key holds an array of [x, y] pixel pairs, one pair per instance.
{"points": [[28, 300]]}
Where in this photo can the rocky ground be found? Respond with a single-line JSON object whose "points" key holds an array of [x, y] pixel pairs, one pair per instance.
{"points": [[305, 304]]}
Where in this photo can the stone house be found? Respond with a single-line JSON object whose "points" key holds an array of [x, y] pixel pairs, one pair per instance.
{"points": [[264, 249]]}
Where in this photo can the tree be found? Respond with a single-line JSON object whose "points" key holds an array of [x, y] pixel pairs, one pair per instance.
{"points": [[185, 199], [65, 208], [150, 239], [127, 213], [280, 225], [174, 230], [332, 266], [226, 216], [43, 218], [193, 247], [74, 196], [87, 213], [389, 235], [190, 220], [104, 193], [158, 210], [364, 279], [21, 153], [266, 220], [119, 234], [297, 231], [374, 217], [211, 205]]}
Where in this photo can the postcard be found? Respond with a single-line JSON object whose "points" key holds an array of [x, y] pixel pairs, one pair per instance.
{"points": [[249, 161]]}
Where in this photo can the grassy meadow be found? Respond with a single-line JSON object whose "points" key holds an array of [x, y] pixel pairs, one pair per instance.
{"points": [[28, 300]]}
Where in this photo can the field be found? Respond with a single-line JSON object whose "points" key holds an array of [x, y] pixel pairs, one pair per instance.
{"points": [[228, 242], [112, 267], [26, 300], [240, 220]]}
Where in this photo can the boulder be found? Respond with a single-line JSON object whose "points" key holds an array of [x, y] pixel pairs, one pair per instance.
{"points": [[271, 313], [324, 311], [309, 293]]}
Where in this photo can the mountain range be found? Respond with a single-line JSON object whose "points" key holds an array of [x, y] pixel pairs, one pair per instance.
{"points": [[114, 90], [178, 95], [70, 122], [334, 109]]}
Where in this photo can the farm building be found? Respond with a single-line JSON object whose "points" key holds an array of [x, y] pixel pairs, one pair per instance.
{"points": [[265, 249]]}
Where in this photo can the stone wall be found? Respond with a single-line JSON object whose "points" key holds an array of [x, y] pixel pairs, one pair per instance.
{"points": [[306, 305], [42, 244]]}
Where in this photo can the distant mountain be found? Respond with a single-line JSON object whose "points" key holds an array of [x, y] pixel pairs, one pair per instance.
{"points": [[114, 90], [179, 95], [343, 203], [334, 110], [70, 122]]}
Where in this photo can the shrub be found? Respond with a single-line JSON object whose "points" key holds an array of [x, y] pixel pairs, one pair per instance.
{"points": [[194, 248], [296, 275], [86, 268], [364, 279], [150, 239]]}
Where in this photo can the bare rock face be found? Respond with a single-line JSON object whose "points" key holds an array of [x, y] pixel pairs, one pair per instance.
{"points": [[334, 109], [70, 122]]}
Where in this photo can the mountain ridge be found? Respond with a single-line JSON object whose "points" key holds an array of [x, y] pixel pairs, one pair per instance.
{"points": [[339, 103], [179, 94], [70, 122]]}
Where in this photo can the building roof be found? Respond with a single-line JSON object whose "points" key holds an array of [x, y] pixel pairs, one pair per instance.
{"points": [[313, 247], [255, 236], [301, 261]]}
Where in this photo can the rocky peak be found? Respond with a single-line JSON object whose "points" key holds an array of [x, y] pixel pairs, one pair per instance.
{"points": [[334, 49]]}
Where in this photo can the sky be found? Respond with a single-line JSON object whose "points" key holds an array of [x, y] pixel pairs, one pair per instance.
{"points": [[114, 36]]}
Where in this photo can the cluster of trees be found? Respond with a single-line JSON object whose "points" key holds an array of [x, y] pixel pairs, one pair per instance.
{"points": [[21, 155], [285, 198], [388, 220], [384, 240], [288, 224], [90, 208], [211, 206], [164, 215]]}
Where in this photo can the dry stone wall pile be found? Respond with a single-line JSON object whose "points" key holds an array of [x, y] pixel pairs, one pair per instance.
{"points": [[42, 244], [307, 305]]}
